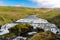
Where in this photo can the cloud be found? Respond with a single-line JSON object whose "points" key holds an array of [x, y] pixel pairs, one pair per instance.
{"points": [[18, 5], [47, 3]]}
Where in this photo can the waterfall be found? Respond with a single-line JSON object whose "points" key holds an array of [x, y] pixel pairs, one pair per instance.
{"points": [[4, 28], [7, 26], [34, 21], [52, 27]]}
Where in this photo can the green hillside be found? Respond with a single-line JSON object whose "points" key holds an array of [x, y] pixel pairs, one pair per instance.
{"points": [[11, 14], [44, 36]]}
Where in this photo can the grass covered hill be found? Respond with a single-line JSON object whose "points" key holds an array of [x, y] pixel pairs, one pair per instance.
{"points": [[44, 36], [11, 14]]}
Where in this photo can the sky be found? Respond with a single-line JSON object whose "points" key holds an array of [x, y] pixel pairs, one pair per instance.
{"points": [[32, 3]]}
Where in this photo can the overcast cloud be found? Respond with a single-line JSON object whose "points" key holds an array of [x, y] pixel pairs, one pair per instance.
{"points": [[47, 3]]}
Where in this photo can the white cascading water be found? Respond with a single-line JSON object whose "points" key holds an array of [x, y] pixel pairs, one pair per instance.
{"points": [[52, 27], [4, 28]]}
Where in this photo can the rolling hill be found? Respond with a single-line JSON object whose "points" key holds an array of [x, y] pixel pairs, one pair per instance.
{"points": [[11, 14]]}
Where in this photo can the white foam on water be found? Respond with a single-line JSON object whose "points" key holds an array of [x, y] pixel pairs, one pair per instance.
{"points": [[34, 21]]}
